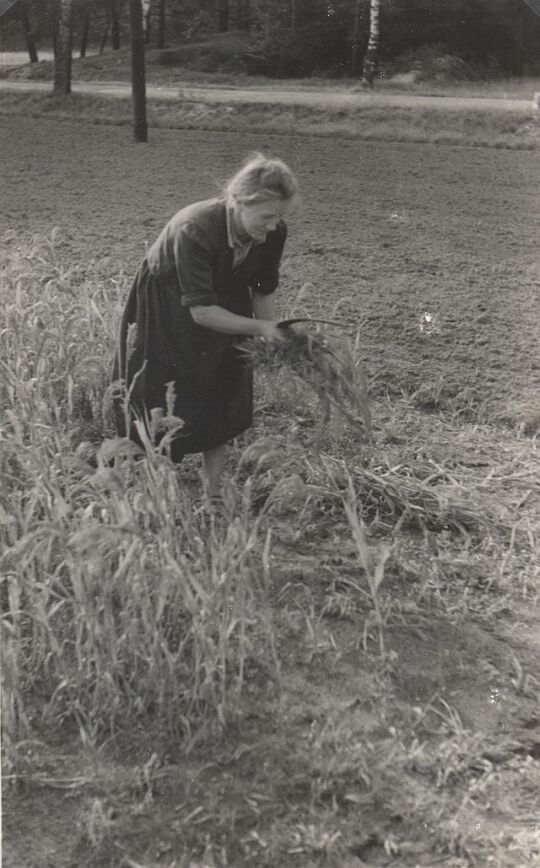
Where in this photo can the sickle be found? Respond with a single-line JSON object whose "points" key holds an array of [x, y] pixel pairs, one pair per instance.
{"points": [[287, 323]]}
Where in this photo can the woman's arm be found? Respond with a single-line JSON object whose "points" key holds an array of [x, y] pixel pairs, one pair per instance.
{"points": [[264, 306], [218, 319]]}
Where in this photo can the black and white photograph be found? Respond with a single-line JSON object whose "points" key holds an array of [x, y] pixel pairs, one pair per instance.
{"points": [[270, 433]]}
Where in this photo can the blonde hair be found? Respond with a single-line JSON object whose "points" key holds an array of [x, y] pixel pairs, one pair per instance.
{"points": [[262, 179]]}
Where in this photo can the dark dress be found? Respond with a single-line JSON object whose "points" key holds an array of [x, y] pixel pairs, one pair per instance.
{"points": [[191, 263]]}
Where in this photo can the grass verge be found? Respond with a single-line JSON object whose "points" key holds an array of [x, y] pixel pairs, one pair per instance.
{"points": [[371, 123]]}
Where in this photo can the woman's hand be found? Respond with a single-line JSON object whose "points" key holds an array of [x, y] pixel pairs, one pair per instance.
{"points": [[270, 331], [220, 320]]}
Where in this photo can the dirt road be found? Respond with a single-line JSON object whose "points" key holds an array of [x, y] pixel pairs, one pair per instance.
{"points": [[321, 99]]}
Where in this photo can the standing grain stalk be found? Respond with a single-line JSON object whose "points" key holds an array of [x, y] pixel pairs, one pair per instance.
{"points": [[374, 571], [120, 600]]}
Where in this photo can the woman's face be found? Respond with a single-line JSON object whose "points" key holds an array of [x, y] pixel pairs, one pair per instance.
{"points": [[260, 218]]}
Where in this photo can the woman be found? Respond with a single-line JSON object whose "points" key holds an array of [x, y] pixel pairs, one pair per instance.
{"points": [[206, 283]]}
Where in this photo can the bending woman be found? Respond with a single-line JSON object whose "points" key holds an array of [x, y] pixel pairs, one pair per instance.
{"points": [[207, 282]]}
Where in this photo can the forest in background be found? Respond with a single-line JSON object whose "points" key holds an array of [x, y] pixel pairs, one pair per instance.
{"points": [[461, 39]]}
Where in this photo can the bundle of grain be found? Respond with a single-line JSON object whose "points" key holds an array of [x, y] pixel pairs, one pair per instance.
{"points": [[314, 361]]}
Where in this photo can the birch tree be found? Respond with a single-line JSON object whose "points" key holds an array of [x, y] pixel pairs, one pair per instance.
{"points": [[372, 51]]}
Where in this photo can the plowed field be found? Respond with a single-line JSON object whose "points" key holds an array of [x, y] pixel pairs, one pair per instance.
{"points": [[429, 256]]}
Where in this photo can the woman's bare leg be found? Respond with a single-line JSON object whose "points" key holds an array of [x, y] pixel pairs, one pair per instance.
{"points": [[213, 466]]}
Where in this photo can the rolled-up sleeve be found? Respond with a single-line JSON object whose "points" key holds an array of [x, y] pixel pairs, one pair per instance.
{"points": [[193, 262], [266, 277]]}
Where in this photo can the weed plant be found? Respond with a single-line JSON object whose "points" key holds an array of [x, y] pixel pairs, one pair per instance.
{"points": [[120, 598]]}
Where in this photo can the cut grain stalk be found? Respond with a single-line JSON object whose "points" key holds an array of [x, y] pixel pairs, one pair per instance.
{"points": [[316, 363]]}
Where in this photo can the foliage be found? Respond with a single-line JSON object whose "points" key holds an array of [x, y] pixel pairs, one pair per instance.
{"points": [[312, 48], [285, 39], [502, 36]]}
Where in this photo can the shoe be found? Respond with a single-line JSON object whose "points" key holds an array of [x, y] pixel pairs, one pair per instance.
{"points": [[214, 505]]}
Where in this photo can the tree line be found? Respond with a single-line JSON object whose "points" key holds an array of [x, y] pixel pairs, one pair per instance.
{"points": [[301, 37], [284, 37]]}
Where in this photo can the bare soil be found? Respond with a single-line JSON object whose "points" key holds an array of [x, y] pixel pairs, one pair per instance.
{"points": [[387, 233], [406, 230]]}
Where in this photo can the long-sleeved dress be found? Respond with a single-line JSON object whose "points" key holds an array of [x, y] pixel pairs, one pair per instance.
{"points": [[192, 263]]}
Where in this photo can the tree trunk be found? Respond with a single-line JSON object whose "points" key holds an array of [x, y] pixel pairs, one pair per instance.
{"points": [[138, 74], [62, 60], [371, 56], [103, 42], [85, 29], [161, 24], [265, 16], [147, 24], [115, 24], [355, 52], [293, 14], [223, 16], [27, 30], [242, 15]]}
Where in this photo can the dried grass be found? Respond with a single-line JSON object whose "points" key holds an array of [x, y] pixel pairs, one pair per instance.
{"points": [[425, 495]]}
